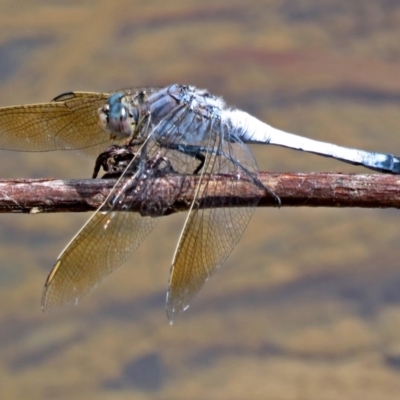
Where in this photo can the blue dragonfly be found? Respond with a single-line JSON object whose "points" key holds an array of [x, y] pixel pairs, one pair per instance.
{"points": [[192, 132]]}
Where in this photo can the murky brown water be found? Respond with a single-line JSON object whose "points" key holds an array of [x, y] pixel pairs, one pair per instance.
{"points": [[308, 304]]}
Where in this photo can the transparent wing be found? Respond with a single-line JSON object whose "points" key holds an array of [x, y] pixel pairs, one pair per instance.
{"points": [[101, 246], [209, 235], [108, 238], [69, 122]]}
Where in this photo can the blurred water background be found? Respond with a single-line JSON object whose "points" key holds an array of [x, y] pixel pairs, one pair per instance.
{"points": [[308, 304]]}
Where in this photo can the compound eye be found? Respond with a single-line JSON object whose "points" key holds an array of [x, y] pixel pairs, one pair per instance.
{"points": [[119, 120], [114, 99]]}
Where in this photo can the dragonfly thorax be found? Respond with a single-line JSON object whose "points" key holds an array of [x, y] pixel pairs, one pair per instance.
{"points": [[116, 118]]}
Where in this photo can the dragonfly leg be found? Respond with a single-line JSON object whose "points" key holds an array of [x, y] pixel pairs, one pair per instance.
{"points": [[192, 151], [138, 135], [198, 153], [114, 161]]}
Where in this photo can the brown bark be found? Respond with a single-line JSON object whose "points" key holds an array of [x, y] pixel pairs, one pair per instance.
{"points": [[176, 192]]}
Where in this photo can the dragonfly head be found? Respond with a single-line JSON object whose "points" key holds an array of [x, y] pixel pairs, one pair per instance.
{"points": [[116, 117]]}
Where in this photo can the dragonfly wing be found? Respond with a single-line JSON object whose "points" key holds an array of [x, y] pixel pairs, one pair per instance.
{"points": [[109, 237], [209, 235], [69, 122], [100, 247]]}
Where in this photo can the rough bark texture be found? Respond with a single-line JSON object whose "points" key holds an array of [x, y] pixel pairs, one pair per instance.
{"points": [[175, 192]]}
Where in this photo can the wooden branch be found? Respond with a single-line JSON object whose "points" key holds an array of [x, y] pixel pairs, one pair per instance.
{"points": [[174, 193]]}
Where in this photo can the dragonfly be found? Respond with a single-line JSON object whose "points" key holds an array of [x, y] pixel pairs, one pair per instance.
{"points": [[189, 131]]}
